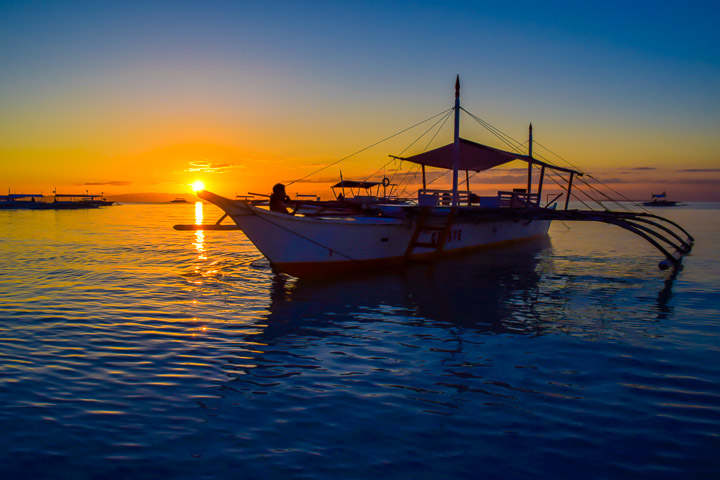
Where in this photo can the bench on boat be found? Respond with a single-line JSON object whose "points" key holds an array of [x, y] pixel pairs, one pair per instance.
{"points": [[518, 198]]}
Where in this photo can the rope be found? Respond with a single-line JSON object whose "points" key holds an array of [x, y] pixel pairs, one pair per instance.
{"points": [[592, 177], [506, 139], [511, 143], [550, 176], [302, 236], [515, 145], [367, 148], [443, 120]]}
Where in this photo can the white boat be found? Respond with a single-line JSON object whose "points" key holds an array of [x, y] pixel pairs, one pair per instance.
{"points": [[436, 223], [660, 200]]}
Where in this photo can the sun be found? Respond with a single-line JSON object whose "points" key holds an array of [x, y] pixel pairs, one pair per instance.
{"points": [[197, 186]]}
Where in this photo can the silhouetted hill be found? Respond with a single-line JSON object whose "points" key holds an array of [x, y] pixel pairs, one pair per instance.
{"points": [[151, 197]]}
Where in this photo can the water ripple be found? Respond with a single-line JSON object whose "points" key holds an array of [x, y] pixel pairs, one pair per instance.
{"points": [[140, 352]]}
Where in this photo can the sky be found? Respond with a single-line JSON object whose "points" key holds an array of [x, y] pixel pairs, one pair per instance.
{"points": [[123, 97]]}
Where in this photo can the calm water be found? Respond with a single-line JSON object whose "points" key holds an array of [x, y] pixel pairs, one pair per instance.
{"points": [[130, 350]]}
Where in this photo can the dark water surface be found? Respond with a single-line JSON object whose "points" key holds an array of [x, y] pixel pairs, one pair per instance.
{"points": [[130, 350]]}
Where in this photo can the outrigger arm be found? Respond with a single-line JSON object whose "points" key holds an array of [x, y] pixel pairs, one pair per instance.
{"points": [[216, 226], [653, 231]]}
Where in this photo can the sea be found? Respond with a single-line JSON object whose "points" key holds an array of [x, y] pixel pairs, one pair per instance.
{"points": [[129, 350]]}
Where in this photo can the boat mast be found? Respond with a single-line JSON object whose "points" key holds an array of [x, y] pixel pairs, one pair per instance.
{"points": [[529, 184], [456, 145]]}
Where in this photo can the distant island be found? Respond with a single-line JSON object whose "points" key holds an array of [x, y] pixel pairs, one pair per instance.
{"points": [[153, 197]]}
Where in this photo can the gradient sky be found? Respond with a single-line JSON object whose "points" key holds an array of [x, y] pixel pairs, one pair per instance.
{"points": [[127, 96]]}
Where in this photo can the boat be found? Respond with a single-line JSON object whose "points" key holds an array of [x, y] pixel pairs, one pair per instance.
{"points": [[660, 200], [179, 200], [58, 202], [21, 201], [374, 232], [72, 201]]}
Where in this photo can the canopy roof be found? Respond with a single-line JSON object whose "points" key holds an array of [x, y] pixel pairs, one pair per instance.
{"points": [[15, 196], [475, 157], [354, 184]]}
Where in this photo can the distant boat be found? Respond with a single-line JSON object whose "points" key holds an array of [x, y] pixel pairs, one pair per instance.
{"points": [[58, 202], [179, 200], [82, 200], [21, 200], [660, 200]]}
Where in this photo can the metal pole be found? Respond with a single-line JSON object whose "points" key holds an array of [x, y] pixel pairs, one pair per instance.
{"points": [[567, 200], [456, 145], [529, 183], [540, 183]]}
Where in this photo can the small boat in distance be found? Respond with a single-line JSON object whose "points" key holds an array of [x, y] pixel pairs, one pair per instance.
{"points": [[57, 201], [81, 200], [179, 200], [660, 200], [379, 232], [21, 200]]}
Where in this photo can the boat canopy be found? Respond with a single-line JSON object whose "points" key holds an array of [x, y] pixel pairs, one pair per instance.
{"points": [[15, 196], [475, 157], [354, 184]]}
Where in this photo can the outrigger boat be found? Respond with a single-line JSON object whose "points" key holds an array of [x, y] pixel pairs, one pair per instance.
{"points": [[21, 201], [342, 235], [660, 200], [58, 202], [81, 200]]}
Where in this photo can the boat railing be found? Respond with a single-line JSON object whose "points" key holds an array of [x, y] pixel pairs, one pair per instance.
{"points": [[436, 197], [310, 197], [518, 198]]}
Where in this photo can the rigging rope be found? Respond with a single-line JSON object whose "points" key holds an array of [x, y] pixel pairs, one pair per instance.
{"points": [[510, 142], [550, 176], [506, 139], [443, 120], [592, 177], [426, 146], [368, 147], [332, 250], [515, 145]]}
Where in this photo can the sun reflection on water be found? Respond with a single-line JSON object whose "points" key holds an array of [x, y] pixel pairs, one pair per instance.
{"points": [[199, 234]]}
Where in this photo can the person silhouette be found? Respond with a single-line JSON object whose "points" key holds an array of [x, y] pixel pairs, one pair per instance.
{"points": [[279, 198]]}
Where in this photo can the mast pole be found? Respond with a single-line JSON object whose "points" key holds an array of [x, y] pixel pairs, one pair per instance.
{"points": [[529, 183], [540, 184], [569, 189], [456, 145]]}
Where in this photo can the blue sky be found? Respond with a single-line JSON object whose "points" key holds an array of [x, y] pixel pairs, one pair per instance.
{"points": [[609, 85]]}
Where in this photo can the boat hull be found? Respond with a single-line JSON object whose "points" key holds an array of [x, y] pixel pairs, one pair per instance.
{"points": [[328, 268], [311, 246], [661, 203]]}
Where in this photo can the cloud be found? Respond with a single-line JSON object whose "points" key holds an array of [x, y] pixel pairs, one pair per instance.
{"points": [[116, 183], [209, 167], [700, 170], [670, 181], [693, 181]]}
